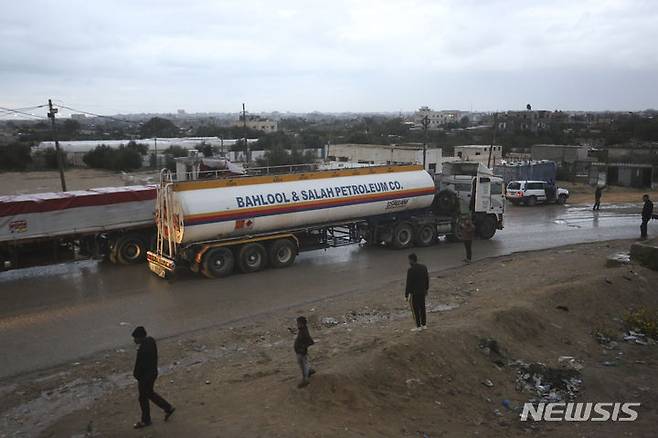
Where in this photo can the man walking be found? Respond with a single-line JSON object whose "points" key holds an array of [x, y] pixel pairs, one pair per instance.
{"points": [[468, 230], [146, 371], [597, 197], [416, 291], [647, 214]]}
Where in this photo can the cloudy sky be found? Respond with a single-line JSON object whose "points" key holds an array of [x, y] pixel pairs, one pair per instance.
{"points": [[211, 55]]}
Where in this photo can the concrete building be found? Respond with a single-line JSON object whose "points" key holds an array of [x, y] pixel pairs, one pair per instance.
{"points": [[530, 120], [479, 153], [560, 153], [437, 119], [380, 154], [639, 175], [259, 124]]}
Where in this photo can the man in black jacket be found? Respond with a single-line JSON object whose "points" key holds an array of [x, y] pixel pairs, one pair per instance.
{"points": [[146, 371], [416, 291], [647, 214]]}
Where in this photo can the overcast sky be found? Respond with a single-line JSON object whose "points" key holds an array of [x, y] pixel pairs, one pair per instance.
{"points": [[331, 55]]}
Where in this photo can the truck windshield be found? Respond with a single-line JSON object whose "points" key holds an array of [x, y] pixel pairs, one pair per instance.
{"points": [[514, 186]]}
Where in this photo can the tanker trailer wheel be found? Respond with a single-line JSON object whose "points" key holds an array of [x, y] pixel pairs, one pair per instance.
{"points": [[425, 235], [218, 262], [131, 249], [403, 235], [252, 257], [282, 253], [486, 227]]}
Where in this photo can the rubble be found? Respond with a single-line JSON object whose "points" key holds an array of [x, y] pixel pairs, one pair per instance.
{"points": [[547, 384], [618, 259], [329, 321]]}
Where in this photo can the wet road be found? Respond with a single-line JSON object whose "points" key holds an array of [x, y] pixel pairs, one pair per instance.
{"points": [[53, 315]]}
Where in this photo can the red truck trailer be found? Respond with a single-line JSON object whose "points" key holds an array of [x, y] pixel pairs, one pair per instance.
{"points": [[112, 222]]}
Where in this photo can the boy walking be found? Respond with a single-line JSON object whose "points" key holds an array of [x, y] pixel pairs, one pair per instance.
{"points": [[468, 230], [145, 372], [416, 290], [302, 342]]}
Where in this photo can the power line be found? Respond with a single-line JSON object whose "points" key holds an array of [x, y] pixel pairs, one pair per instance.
{"points": [[96, 115], [16, 111]]}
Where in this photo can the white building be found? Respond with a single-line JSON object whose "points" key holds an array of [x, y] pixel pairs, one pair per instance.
{"points": [[436, 119], [480, 153], [380, 154], [75, 150]]}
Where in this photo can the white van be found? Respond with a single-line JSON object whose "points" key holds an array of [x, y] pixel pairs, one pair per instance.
{"points": [[533, 192]]}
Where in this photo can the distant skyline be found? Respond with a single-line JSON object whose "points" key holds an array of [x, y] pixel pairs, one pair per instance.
{"points": [[341, 56]]}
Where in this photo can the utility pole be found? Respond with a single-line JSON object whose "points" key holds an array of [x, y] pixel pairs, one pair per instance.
{"points": [[155, 152], [493, 139], [426, 124], [246, 143], [58, 153]]}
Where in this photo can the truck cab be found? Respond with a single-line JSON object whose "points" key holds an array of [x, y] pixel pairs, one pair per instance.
{"points": [[478, 193]]}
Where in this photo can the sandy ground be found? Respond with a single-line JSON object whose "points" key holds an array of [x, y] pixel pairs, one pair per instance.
{"points": [[584, 194], [18, 183], [375, 377]]}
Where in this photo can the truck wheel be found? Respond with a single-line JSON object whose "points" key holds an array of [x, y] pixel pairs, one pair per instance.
{"points": [[532, 201], [562, 199], [131, 249], [486, 227], [252, 257], [282, 253], [218, 262], [425, 235], [403, 235]]}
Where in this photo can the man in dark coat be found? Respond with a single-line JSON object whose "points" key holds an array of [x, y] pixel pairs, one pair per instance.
{"points": [[647, 214], [302, 342], [146, 371], [416, 291], [597, 197], [468, 231]]}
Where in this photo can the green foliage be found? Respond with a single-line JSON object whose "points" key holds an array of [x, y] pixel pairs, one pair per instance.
{"points": [[643, 320], [206, 149], [159, 127], [47, 158], [15, 156], [127, 157], [279, 156], [173, 152], [70, 130]]}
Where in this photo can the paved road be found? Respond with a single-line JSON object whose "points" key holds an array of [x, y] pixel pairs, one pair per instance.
{"points": [[56, 314]]}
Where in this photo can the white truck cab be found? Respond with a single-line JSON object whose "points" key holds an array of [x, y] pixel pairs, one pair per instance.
{"points": [[534, 192]]}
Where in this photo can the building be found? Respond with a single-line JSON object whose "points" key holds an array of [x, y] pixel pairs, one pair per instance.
{"points": [[480, 153], [381, 154], [638, 175], [437, 119], [560, 153], [74, 151], [258, 123], [530, 120]]}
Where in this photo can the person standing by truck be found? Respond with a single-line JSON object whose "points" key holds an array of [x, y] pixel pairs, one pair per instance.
{"points": [[302, 342], [468, 230], [597, 197], [647, 214], [145, 372], [416, 291]]}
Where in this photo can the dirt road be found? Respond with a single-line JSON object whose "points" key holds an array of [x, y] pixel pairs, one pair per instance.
{"points": [[57, 314], [375, 377]]}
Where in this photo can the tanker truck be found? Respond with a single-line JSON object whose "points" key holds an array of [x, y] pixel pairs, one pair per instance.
{"points": [[246, 223]]}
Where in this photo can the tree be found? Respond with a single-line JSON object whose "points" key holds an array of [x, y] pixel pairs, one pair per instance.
{"points": [[15, 156], [159, 127], [171, 153], [70, 129], [123, 158], [205, 149], [464, 122]]}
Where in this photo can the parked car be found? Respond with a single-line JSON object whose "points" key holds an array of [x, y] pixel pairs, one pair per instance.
{"points": [[533, 192]]}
